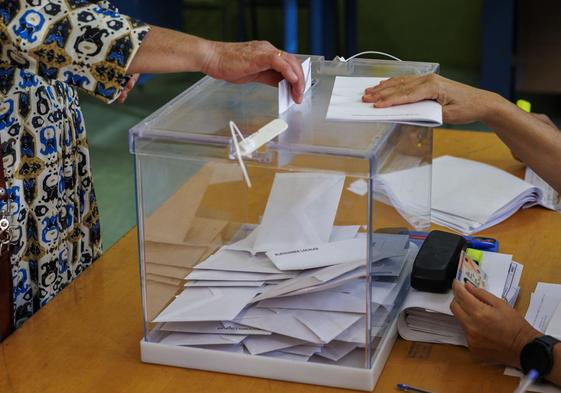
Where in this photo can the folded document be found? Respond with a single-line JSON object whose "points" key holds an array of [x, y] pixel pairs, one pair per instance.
{"points": [[346, 105]]}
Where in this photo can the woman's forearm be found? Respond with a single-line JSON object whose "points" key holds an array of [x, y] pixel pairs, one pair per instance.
{"points": [[167, 51], [533, 141]]}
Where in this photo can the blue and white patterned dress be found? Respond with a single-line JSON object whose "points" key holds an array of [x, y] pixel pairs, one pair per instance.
{"points": [[48, 48]]}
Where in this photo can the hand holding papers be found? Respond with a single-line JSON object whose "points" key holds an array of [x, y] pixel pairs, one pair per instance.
{"points": [[427, 317], [346, 105]]}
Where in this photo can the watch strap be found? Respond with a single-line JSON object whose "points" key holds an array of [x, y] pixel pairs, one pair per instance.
{"points": [[550, 341]]}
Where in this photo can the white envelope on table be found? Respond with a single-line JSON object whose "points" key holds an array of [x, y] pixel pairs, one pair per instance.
{"points": [[300, 212], [207, 304], [238, 261], [200, 339]]}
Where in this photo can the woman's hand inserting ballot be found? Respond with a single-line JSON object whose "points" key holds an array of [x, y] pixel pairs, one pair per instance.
{"points": [[254, 61], [166, 51], [495, 332]]}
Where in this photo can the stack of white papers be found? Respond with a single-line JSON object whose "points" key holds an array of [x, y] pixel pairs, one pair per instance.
{"points": [[427, 317], [294, 286], [551, 198], [467, 196], [544, 314], [346, 105]]}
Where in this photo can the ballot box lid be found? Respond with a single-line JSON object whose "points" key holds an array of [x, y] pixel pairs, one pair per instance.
{"points": [[202, 113]]}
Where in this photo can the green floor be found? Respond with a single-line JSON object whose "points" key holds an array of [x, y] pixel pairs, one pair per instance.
{"points": [[112, 164]]}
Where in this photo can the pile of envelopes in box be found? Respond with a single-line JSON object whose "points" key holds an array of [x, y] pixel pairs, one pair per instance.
{"points": [[294, 286]]}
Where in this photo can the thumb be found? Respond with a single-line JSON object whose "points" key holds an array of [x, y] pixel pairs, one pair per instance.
{"points": [[483, 295]]}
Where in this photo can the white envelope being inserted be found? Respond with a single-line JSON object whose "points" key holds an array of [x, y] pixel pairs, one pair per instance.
{"points": [[207, 304], [300, 212]]}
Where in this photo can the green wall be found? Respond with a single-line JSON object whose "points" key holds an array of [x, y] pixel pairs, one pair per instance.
{"points": [[442, 31]]}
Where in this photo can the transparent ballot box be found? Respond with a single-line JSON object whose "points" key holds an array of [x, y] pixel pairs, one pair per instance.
{"points": [[299, 277]]}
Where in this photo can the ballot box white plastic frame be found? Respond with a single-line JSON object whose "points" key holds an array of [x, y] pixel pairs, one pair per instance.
{"points": [[144, 134]]}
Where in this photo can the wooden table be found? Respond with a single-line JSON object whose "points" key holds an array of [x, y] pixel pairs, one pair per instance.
{"points": [[87, 339]]}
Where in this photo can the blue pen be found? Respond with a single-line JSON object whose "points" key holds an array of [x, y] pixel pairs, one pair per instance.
{"points": [[406, 388], [477, 242]]}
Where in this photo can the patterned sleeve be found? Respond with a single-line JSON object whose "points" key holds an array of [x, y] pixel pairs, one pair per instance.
{"points": [[86, 44]]}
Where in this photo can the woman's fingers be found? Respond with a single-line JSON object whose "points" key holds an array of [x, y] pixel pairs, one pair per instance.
{"points": [[298, 87], [399, 80], [291, 69], [401, 94]]}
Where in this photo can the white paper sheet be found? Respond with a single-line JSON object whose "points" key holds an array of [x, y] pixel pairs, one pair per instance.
{"points": [[300, 212], [346, 105]]}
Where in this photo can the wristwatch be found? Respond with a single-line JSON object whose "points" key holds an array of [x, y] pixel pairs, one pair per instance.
{"points": [[538, 355]]}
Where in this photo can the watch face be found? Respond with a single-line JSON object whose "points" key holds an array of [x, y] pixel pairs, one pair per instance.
{"points": [[535, 356]]}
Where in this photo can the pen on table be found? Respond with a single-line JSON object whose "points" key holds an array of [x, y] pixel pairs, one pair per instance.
{"points": [[406, 388], [525, 382], [477, 242]]}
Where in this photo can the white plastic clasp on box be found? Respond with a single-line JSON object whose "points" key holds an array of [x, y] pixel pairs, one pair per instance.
{"points": [[253, 142]]}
